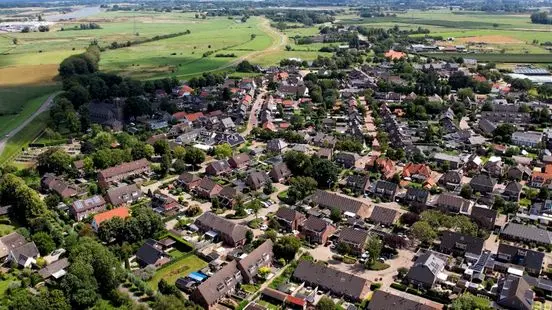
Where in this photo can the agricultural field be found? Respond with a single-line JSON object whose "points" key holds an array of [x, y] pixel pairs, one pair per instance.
{"points": [[488, 33]]}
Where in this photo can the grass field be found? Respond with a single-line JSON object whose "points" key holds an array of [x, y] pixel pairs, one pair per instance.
{"points": [[25, 136], [176, 270], [17, 103]]}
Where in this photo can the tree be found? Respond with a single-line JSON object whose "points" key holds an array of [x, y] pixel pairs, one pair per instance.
{"points": [[26, 203], [335, 215], [44, 243], [409, 218], [469, 302], [179, 152], [394, 241], [274, 224], [326, 303], [466, 191], [301, 187], [245, 66], [298, 163], [194, 156], [373, 247], [161, 147], [55, 160], [325, 173], [268, 188], [249, 236], [422, 231], [343, 248], [223, 151], [286, 247]]}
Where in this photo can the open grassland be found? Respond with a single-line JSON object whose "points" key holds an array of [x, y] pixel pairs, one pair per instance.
{"points": [[18, 103]]}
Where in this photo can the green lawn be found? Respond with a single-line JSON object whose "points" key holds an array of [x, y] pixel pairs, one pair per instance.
{"points": [[176, 270], [4, 284]]}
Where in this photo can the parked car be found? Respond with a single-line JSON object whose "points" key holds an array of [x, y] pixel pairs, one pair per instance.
{"points": [[264, 227]]}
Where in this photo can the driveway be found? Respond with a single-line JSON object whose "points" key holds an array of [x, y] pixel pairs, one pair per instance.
{"points": [[404, 259]]}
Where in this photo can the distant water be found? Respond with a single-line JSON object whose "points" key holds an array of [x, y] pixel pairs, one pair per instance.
{"points": [[80, 13]]}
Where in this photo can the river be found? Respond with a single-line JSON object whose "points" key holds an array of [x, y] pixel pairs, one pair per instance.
{"points": [[78, 14]]}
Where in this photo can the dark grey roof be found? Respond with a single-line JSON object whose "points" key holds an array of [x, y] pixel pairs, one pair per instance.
{"points": [[485, 214], [426, 268], [526, 232], [220, 166], [22, 253], [335, 201], [352, 235], [482, 180], [382, 300], [148, 253], [187, 177], [523, 257], [418, 193], [386, 185], [383, 215], [513, 188], [279, 171], [261, 256], [453, 240], [336, 281], [207, 184], [450, 200]]}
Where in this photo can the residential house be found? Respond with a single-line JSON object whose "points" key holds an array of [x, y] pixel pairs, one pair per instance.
{"points": [[346, 159], [494, 168], [486, 126], [386, 190], [207, 188], [290, 219], [518, 173], [84, 207], [512, 191], [279, 173], [188, 181], [276, 146], [165, 204], [54, 270], [531, 261], [227, 196], [382, 300], [359, 183], [256, 180], [219, 285], [329, 200], [425, 271], [217, 168], [451, 179], [515, 293], [339, 283], [98, 219], [484, 217], [454, 204], [324, 153], [540, 178], [125, 194], [220, 228], [461, 245], [123, 171], [52, 183], [451, 161], [482, 183], [317, 230], [354, 238], [239, 161], [527, 138], [260, 257], [384, 216], [416, 197], [14, 248], [416, 172], [526, 233]]}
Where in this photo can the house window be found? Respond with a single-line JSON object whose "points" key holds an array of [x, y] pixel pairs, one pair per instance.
{"points": [[220, 287], [522, 253]]}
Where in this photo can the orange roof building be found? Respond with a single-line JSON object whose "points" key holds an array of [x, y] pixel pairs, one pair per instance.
{"points": [[185, 90], [192, 117], [416, 171], [121, 212], [541, 176], [395, 54]]}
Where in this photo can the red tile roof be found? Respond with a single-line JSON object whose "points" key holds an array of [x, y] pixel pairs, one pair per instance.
{"points": [[192, 117], [394, 54], [122, 212]]}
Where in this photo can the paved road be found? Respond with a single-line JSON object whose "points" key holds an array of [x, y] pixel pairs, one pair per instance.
{"points": [[45, 106], [252, 121]]}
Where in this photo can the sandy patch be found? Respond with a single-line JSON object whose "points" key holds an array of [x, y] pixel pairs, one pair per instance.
{"points": [[490, 39], [23, 75]]}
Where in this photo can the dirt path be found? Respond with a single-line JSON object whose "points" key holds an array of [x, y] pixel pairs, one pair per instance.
{"points": [[45, 106]]}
